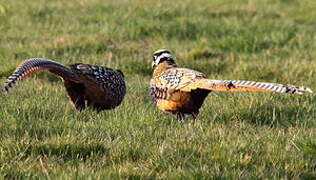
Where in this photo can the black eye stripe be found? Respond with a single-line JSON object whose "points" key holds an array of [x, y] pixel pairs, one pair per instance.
{"points": [[158, 54], [164, 59]]}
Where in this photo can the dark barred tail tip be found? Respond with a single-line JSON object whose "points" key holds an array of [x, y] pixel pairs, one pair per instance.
{"points": [[7, 86], [5, 90], [297, 89]]}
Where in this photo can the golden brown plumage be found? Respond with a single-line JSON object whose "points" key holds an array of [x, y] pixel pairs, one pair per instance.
{"points": [[87, 85], [182, 91]]}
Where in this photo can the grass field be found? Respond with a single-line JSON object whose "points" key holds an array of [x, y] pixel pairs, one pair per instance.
{"points": [[237, 135]]}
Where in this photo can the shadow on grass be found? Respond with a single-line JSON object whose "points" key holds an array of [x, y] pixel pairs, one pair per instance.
{"points": [[63, 152], [273, 115], [241, 14], [308, 147], [120, 175], [67, 152], [17, 173]]}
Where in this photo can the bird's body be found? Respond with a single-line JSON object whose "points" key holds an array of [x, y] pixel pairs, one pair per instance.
{"points": [[167, 90], [87, 85], [182, 91]]}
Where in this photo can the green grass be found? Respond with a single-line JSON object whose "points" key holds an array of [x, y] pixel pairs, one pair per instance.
{"points": [[237, 135]]}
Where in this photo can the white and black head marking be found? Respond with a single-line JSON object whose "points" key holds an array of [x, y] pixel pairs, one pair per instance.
{"points": [[160, 56]]}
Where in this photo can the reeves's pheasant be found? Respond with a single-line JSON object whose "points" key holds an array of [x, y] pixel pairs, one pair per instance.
{"points": [[87, 85], [182, 91]]}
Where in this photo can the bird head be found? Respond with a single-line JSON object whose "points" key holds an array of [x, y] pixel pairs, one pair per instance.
{"points": [[162, 55]]}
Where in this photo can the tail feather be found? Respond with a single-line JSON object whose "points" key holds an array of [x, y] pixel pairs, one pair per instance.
{"points": [[30, 66], [241, 85]]}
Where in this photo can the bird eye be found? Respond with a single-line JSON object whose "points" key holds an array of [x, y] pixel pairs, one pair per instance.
{"points": [[154, 58]]}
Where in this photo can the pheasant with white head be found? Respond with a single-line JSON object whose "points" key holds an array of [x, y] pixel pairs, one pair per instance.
{"points": [[182, 91]]}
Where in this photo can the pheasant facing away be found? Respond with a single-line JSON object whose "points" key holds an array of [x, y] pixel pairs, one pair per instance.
{"points": [[182, 91], [87, 85]]}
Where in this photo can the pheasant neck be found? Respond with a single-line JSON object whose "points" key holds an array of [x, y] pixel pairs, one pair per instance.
{"points": [[163, 66]]}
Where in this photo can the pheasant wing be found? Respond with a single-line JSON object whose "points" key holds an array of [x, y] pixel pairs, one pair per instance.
{"points": [[163, 85]]}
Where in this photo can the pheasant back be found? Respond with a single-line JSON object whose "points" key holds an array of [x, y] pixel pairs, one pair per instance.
{"points": [[105, 84]]}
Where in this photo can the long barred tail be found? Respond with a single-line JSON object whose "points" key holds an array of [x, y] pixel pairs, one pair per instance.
{"points": [[30, 66], [241, 85]]}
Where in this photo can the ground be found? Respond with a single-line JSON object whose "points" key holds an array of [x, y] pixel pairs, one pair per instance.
{"points": [[237, 135]]}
